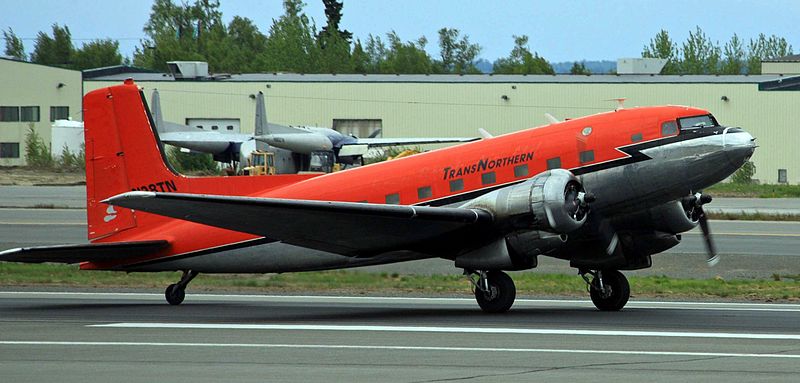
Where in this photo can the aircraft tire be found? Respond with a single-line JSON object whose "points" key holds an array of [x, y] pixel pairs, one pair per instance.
{"points": [[503, 293], [174, 294], [620, 292]]}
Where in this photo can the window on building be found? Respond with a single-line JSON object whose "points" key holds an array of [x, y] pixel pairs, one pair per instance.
{"points": [[488, 178], [393, 199], [457, 185], [424, 192], [669, 128], [9, 113], [9, 149], [521, 170], [59, 113], [554, 163], [782, 177], [29, 114], [636, 137], [586, 156], [358, 127]]}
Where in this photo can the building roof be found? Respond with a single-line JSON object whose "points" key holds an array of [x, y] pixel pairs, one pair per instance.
{"points": [[14, 59], [447, 78], [784, 59], [113, 70]]}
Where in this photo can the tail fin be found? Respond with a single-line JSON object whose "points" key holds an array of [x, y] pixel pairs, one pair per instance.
{"points": [[158, 118], [123, 153]]}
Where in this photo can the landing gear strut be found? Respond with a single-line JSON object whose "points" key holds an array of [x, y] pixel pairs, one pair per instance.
{"points": [[609, 289], [494, 290], [176, 292]]}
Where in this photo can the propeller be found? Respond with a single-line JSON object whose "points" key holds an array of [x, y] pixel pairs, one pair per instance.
{"points": [[697, 213], [577, 201]]}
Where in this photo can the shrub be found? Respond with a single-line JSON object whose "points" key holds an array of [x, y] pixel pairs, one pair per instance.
{"points": [[745, 174]]}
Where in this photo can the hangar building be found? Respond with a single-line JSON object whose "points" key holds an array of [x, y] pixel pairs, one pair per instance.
{"points": [[457, 105], [33, 95]]}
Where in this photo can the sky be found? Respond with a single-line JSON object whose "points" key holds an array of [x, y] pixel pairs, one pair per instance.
{"points": [[559, 30]]}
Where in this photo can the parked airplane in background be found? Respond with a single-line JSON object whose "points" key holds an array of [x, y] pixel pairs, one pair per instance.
{"points": [[605, 192], [313, 144]]}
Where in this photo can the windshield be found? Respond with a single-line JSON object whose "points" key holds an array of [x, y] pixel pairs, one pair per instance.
{"points": [[697, 122]]}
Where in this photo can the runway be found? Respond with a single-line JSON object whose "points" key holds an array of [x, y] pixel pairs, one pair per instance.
{"points": [[135, 337]]}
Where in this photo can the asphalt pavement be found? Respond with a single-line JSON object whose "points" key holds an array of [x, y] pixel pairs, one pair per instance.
{"points": [[101, 337]]}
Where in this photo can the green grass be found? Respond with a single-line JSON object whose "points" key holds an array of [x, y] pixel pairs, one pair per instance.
{"points": [[355, 282], [730, 189], [757, 216]]}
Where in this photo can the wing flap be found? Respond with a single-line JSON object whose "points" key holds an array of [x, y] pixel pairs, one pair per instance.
{"points": [[92, 252], [377, 142], [355, 229]]}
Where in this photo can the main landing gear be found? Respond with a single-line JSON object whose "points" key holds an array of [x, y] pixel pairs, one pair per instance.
{"points": [[176, 292], [494, 290], [609, 289]]}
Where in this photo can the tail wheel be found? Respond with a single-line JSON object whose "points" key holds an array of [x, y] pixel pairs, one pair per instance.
{"points": [[500, 294], [612, 293]]}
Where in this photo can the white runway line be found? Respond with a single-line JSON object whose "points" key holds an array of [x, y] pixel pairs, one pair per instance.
{"points": [[724, 306], [398, 348], [460, 330]]}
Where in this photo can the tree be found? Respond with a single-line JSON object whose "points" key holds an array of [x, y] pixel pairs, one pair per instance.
{"points": [[458, 55], [291, 45], [522, 61], [700, 54], [764, 48], [662, 47], [334, 44], [579, 68], [406, 58], [182, 32], [734, 57], [14, 46], [56, 50], [97, 54]]}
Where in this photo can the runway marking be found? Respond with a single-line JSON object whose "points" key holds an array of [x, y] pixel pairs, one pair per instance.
{"points": [[461, 330], [722, 306], [401, 348]]}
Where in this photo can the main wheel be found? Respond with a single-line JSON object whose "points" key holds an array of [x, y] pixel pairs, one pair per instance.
{"points": [[501, 293], [617, 297], [174, 294]]}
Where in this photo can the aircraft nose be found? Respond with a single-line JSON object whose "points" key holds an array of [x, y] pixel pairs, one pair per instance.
{"points": [[739, 145]]}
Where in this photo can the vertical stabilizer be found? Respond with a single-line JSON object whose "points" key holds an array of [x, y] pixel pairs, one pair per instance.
{"points": [[158, 118], [119, 158]]}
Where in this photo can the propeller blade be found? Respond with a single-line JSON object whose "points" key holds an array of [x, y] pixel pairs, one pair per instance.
{"points": [[711, 249]]}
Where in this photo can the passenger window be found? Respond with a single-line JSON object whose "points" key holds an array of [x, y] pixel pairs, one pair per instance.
{"points": [[521, 170], [636, 137], [456, 185], [586, 156], [393, 199], [554, 163], [488, 178], [669, 128], [424, 192], [214, 127], [230, 127]]}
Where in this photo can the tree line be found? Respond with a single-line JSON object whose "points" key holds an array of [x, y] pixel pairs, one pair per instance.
{"points": [[196, 32]]}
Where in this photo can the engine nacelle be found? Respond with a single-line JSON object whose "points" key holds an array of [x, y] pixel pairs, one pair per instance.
{"points": [[672, 217], [552, 201], [515, 252]]}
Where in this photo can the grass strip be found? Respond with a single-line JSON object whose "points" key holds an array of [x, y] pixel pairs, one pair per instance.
{"points": [[755, 216], [730, 189], [779, 288]]}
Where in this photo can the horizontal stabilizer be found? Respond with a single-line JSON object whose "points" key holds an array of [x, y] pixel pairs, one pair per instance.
{"points": [[92, 252]]}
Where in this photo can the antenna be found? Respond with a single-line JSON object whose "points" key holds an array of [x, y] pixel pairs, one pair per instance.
{"points": [[620, 102]]}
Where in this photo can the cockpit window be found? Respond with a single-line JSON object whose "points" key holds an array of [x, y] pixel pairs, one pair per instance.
{"points": [[697, 122]]}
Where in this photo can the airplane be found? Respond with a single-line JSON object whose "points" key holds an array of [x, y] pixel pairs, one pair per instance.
{"points": [[605, 192], [316, 144]]}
